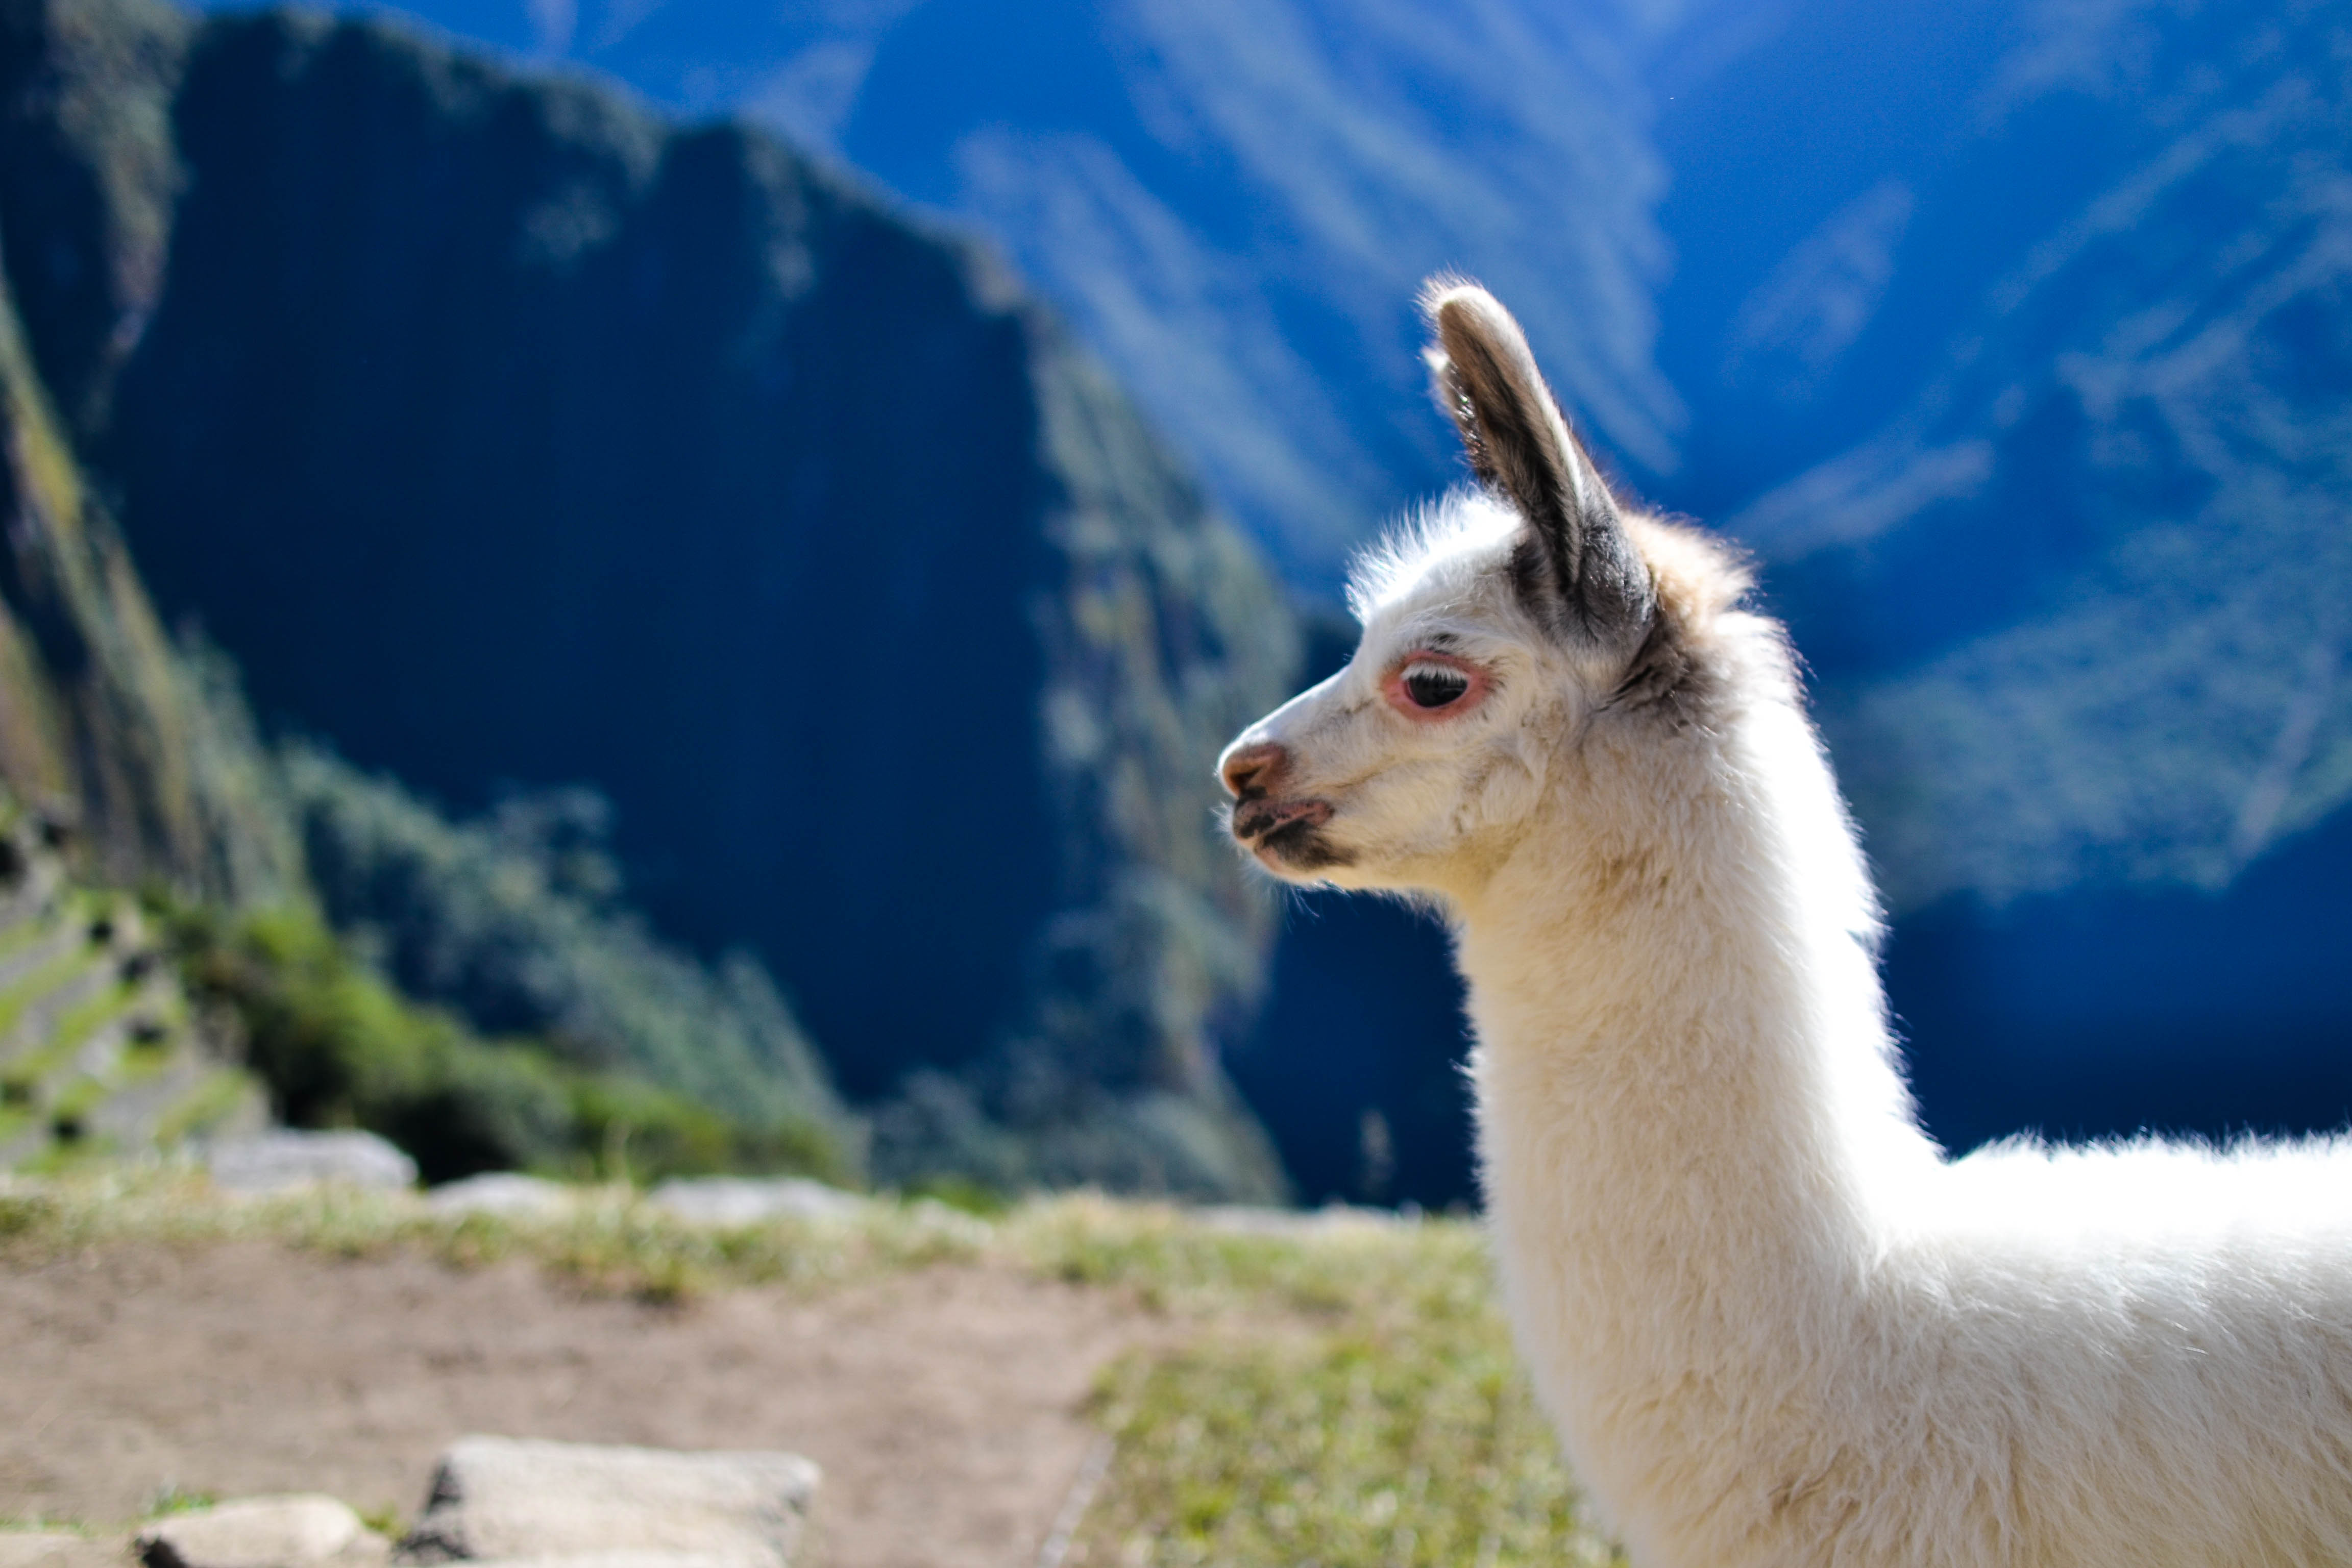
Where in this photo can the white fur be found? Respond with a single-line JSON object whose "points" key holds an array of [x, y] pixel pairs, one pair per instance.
{"points": [[1771, 1322]]}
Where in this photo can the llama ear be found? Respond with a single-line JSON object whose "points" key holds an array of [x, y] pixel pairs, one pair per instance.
{"points": [[1576, 567]]}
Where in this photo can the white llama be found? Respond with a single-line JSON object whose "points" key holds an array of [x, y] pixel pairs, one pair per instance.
{"points": [[1771, 1322]]}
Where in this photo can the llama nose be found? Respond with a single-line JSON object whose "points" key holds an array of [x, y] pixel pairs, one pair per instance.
{"points": [[1254, 771]]}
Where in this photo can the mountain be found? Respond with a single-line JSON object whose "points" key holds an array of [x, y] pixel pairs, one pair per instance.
{"points": [[505, 434], [1232, 202], [1238, 202], [2072, 597]]}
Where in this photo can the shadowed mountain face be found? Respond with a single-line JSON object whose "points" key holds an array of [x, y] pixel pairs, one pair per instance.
{"points": [[500, 435], [1232, 201], [505, 434]]}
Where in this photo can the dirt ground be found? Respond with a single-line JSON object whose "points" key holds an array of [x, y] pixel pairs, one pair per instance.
{"points": [[944, 1404]]}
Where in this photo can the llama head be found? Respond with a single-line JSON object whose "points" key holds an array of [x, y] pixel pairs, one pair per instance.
{"points": [[1496, 632]]}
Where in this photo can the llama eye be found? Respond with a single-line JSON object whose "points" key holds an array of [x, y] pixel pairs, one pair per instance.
{"points": [[1434, 685]]}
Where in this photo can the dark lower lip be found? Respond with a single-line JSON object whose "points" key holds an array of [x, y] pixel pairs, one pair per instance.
{"points": [[1300, 845], [1259, 819], [1287, 836]]}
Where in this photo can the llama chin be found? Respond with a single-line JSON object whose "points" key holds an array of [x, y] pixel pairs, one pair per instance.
{"points": [[1772, 1324]]}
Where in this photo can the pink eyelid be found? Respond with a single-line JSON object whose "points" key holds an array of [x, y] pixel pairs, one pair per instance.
{"points": [[1392, 686]]}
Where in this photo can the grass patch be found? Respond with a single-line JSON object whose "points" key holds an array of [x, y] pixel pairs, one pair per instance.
{"points": [[338, 1046], [1411, 1443], [174, 1499], [142, 1061], [386, 1521], [219, 1095], [41, 1524], [611, 1241], [1358, 1402]]}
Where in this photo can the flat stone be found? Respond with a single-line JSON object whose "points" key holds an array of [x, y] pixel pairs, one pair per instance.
{"points": [[503, 1193], [298, 1531], [749, 1200], [285, 1160], [498, 1499], [45, 1549]]}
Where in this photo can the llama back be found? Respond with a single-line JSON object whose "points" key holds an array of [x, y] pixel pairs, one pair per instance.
{"points": [[2151, 1345]]}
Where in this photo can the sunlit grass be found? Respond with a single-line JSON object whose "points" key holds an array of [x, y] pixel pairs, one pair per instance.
{"points": [[1337, 1397], [1410, 1443], [217, 1096], [609, 1241], [1360, 1404]]}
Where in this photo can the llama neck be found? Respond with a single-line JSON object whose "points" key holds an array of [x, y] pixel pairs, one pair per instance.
{"points": [[1689, 1116]]}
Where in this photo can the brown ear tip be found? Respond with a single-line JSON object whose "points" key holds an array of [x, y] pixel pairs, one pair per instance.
{"points": [[1449, 294], [1466, 319]]}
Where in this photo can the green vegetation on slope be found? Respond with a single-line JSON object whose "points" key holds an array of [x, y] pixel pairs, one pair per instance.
{"points": [[102, 1054], [514, 921], [336, 1045]]}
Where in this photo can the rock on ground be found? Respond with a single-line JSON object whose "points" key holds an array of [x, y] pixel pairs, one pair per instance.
{"points": [[500, 1498], [303, 1532], [283, 1159]]}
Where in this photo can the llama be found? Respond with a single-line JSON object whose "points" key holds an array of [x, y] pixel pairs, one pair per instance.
{"points": [[1771, 1322]]}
